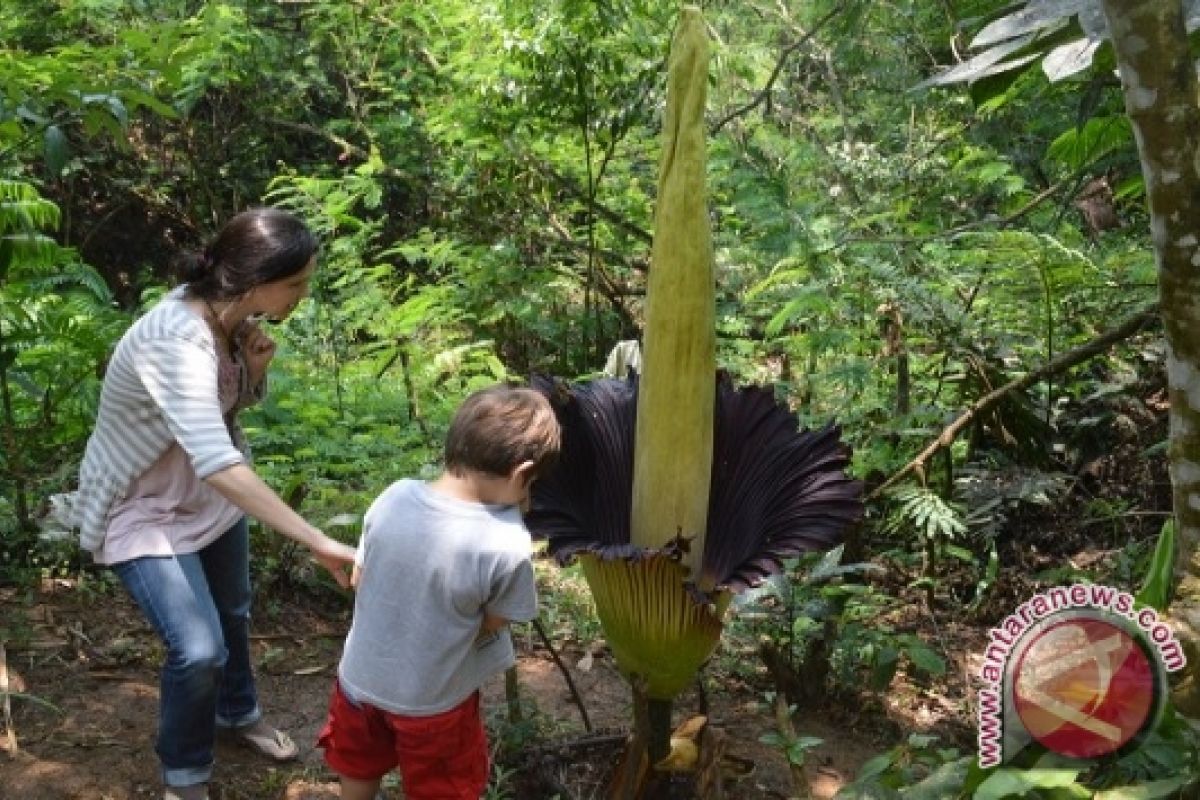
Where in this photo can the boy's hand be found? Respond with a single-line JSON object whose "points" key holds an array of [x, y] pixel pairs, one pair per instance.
{"points": [[491, 623], [355, 576]]}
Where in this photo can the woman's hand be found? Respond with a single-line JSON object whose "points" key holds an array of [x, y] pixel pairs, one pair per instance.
{"points": [[257, 349], [241, 486], [335, 557]]}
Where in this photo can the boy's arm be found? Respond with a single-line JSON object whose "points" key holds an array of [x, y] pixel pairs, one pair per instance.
{"points": [[513, 597]]}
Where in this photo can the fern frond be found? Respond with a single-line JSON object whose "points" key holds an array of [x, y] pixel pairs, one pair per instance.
{"points": [[73, 275], [924, 512], [23, 209]]}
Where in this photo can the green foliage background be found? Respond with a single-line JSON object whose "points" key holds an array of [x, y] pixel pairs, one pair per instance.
{"points": [[481, 174]]}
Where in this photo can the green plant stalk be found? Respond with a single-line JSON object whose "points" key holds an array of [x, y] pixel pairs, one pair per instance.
{"points": [[672, 464]]}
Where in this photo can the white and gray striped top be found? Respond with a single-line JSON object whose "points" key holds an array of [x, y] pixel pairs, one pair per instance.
{"points": [[160, 388]]}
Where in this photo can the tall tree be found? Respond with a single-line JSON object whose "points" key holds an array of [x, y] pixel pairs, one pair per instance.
{"points": [[1158, 79], [1150, 44]]}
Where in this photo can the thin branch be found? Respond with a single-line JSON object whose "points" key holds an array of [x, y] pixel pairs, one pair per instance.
{"points": [[1065, 361], [964, 228], [346, 145], [562, 236], [607, 285], [599, 209], [784, 55], [592, 740], [587, 723]]}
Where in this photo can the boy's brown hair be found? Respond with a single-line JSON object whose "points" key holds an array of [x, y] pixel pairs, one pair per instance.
{"points": [[499, 428]]}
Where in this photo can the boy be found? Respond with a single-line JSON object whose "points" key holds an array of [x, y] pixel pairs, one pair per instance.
{"points": [[442, 567]]}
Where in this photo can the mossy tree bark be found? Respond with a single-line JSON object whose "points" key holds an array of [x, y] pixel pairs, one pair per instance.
{"points": [[1160, 88]]}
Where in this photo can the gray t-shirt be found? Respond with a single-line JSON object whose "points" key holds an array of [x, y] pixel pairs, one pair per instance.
{"points": [[431, 565]]}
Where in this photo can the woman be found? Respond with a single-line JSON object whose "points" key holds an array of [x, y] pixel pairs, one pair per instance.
{"points": [[165, 483]]}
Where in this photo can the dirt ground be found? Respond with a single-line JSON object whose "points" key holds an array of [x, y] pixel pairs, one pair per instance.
{"points": [[82, 675]]}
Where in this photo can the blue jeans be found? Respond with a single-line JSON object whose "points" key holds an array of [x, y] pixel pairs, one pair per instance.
{"points": [[199, 604]]}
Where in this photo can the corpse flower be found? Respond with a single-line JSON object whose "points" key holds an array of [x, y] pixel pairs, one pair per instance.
{"points": [[676, 489], [775, 492]]}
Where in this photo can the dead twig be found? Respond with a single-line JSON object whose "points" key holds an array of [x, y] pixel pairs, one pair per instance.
{"points": [[590, 742], [587, 723], [92, 745]]}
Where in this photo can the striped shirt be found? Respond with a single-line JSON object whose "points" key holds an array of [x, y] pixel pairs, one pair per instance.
{"points": [[161, 388]]}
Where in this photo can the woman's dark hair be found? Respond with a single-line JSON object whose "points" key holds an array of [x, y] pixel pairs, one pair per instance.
{"points": [[255, 247]]}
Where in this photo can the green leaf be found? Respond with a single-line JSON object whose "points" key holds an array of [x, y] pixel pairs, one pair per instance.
{"points": [[29, 698], [1078, 148], [875, 766], [1156, 590], [799, 747], [810, 302], [773, 739], [1145, 791], [7, 250], [57, 150], [989, 576], [961, 553], [924, 658], [112, 105], [154, 104], [1009, 782], [884, 668], [944, 782]]}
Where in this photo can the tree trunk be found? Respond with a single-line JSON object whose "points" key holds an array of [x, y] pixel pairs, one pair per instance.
{"points": [[1160, 88]]}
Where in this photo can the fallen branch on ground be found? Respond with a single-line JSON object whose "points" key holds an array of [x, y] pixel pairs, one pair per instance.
{"points": [[1065, 361]]}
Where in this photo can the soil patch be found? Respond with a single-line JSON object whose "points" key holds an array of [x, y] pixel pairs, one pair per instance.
{"points": [[82, 669]]}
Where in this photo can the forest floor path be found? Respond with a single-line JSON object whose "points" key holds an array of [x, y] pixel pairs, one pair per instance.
{"points": [[83, 673]]}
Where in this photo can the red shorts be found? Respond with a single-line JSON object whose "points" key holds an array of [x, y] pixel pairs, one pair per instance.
{"points": [[441, 757]]}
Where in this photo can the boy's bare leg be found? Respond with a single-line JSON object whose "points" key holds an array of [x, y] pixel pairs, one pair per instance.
{"points": [[355, 789]]}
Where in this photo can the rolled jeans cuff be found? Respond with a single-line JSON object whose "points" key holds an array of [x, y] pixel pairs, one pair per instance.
{"points": [[249, 718], [187, 776]]}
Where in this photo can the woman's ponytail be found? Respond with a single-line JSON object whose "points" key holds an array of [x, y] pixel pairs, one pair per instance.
{"points": [[194, 269]]}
